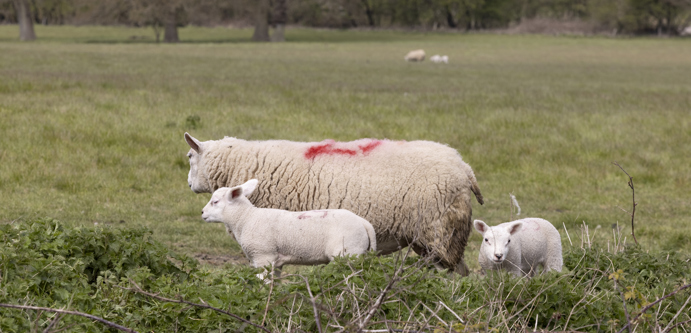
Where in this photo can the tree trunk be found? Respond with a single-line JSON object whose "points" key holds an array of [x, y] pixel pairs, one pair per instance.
{"points": [[170, 35], [261, 21], [369, 12], [279, 34], [26, 24], [449, 18], [279, 18]]}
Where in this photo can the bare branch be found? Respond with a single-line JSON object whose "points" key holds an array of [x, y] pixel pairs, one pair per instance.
{"points": [[633, 196], [101, 320], [623, 300], [645, 308], [182, 301]]}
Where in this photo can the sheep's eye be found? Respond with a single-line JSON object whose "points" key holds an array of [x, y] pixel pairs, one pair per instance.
{"points": [[486, 240], [215, 202], [508, 241]]}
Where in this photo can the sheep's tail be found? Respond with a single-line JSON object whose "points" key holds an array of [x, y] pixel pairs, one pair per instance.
{"points": [[372, 236], [475, 188]]}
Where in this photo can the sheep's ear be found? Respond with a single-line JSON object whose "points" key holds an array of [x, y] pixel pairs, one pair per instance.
{"points": [[234, 193], [249, 187], [480, 226], [194, 143], [514, 228]]}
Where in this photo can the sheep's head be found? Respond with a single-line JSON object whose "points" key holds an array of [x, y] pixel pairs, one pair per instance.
{"points": [[496, 240], [227, 198], [195, 179]]}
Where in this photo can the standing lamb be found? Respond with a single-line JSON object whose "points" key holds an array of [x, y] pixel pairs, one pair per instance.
{"points": [[414, 193], [520, 246], [278, 237], [415, 55]]}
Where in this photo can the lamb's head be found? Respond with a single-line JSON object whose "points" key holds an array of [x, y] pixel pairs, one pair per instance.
{"points": [[496, 240], [226, 198], [196, 179]]}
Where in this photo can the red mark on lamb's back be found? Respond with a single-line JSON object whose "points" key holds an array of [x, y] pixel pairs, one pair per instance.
{"points": [[328, 147]]}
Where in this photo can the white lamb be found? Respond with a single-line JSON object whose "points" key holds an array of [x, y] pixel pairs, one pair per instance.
{"points": [[279, 237], [415, 55], [439, 59], [520, 246]]}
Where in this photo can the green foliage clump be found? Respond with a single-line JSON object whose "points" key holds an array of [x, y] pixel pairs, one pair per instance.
{"points": [[45, 263], [121, 274]]}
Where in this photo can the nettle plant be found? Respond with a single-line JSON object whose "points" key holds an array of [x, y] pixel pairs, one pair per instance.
{"points": [[132, 283]]}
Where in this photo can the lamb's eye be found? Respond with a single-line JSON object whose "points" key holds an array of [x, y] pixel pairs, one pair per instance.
{"points": [[486, 240], [508, 241], [214, 202]]}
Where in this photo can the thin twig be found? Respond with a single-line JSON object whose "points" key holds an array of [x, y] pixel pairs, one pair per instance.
{"points": [[623, 300], [679, 324], [454, 313], [182, 301], [667, 329], [644, 309], [268, 298], [633, 196], [101, 320], [314, 303], [52, 323]]}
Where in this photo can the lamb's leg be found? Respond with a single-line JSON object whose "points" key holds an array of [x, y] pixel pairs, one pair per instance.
{"points": [[264, 261]]}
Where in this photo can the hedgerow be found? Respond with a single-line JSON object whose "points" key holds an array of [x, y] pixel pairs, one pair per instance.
{"points": [[123, 276]]}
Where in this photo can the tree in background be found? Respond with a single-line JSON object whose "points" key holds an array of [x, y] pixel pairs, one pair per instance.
{"points": [[26, 24], [617, 16], [260, 14], [279, 19]]}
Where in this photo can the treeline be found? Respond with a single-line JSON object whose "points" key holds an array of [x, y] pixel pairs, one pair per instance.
{"points": [[619, 16]]}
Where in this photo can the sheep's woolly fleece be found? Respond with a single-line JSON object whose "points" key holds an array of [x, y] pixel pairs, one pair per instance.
{"points": [[414, 193]]}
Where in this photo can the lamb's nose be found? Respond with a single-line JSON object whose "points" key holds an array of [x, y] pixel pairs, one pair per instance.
{"points": [[498, 255]]}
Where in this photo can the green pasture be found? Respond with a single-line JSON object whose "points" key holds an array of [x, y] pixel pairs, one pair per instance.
{"points": [[92, 121]]}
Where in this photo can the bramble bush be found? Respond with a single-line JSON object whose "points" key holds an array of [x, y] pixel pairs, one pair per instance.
{"points": [[100, 270]]}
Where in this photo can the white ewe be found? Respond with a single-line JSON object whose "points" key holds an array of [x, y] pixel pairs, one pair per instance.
{"points": [[520, 246], [278, 237], [415, 55], [415, 193]]}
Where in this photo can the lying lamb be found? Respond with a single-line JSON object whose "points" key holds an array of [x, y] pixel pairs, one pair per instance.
{"points": [[520, 246], [439, 59], [278, 237], [415, 55]]}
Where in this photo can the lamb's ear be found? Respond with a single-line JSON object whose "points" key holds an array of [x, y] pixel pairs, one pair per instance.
{"points": [[249, 187], [514, 228], [480, 226], [194, 143], [234, 193]]}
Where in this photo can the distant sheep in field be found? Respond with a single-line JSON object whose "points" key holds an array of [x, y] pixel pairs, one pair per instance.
{"points": [[415, 55], [439, 59], [278, 237], [686, 31], [520, 246], [414, 193]]}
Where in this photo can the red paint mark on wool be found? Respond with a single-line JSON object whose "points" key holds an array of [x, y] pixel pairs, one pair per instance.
{"points": [[328, 148], [369, 146]]}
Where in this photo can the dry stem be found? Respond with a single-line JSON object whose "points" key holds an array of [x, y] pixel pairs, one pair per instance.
{"points": [[101, 320], [633, 196]]}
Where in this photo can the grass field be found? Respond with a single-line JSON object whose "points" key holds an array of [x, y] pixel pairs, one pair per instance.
{"points": [[92, 121]]}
